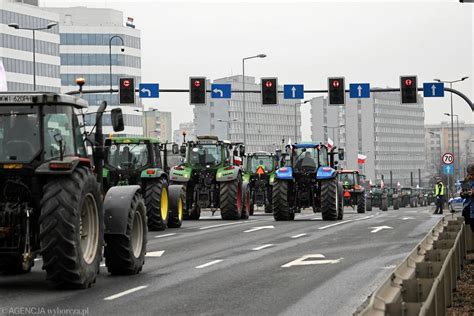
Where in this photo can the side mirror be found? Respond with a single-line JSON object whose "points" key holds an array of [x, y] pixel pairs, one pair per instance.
{"points": [[340, 153], [182, 150], [175, 149], [242, 151], [117, 120]]}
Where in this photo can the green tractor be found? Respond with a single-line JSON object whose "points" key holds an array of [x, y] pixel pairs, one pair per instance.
{"points": [[138, 161], [354, 191], [259, 172], [211, 177], [393, 196], [377, 197], [52, 194], [408, 197]]}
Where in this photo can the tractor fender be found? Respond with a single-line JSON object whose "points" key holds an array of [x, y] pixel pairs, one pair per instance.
{"points": [[246, 177], [180, 174], [229, 173], [325, 173], [117, 204], [272, 178], [284, 173], [70, 164], [153, 173]]}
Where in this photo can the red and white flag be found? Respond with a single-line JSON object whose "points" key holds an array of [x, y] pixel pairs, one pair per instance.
{"points": [[361, 159], [330, 143], [237, 160]]}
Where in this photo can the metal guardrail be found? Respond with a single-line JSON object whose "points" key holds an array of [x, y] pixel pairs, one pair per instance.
{"points": [[424, 282]]}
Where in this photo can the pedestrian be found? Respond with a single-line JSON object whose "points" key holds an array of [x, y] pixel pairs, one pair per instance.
{"points": [[467, 193], [439, 192]]}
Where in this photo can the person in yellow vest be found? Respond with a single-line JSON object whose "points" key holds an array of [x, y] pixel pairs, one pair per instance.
{"points": [[439, 193]]}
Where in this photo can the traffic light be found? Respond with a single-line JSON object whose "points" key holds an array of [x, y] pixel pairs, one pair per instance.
{"points": [[409, 90], [269, 91], [337, 91], [197, 90], [127, 91]]}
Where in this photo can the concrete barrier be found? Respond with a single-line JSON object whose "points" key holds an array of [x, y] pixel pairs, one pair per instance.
{"points": [[423, 283]]}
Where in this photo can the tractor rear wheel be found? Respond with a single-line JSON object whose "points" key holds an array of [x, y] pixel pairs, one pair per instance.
{"points": [[361, 203], [281, 197], [156, 201], [368, 204], [396, 204], [176, 204], [340, 213], [384, 205], [268, 204], [72, 229], [231, 199], [125, 254], [329, 199]]}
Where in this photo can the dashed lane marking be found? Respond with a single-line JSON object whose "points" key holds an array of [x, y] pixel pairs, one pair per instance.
{"points": [[165, 235], [155, 254], [135, 289], [262, 247], [208, 264], [298, 236]]}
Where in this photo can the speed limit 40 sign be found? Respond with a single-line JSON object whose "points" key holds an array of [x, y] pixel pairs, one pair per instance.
{"points": [[448, 158]]}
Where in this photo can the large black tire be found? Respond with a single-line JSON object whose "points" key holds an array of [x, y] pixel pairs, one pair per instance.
{"points": [[384, 205], [412, 202], [125, 254], [329, 199], [340, 213], [230, 194], [268, 205], [176, 206], [281, 197], [368, 204], [361, 203], [72, 206], [157, 206], [396, 204], [245, 201]]}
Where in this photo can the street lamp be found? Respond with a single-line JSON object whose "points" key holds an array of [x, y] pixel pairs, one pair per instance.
{"points": [[296, 116], [122, 49], [333, 128], [440, 153], [47, 27], [452, 118], [243, 89], [457, 132], [228, 125]]}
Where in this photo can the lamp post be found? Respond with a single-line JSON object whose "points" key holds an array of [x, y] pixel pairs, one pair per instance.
{"points": [[296, 118], [440, 154], [333, 128], [457, 135], [122, 49], [47, 27], [228, 125], [452, 118], [145, 125], [243, 90]]}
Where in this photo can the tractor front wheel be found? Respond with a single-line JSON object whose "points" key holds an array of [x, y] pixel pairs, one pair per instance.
{"points": [[156, 201], [329, 199]]}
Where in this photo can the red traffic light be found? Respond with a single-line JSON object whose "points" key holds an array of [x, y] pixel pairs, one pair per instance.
{"points": [[197, 83], [268, 84], [336, 83], [126, 83], [408, 82]]}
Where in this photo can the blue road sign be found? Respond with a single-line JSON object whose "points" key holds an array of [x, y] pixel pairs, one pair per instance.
{"points": [[448, 169], [221, 91], [359, 90], [433, 89], [293, 91], [149, 90]]}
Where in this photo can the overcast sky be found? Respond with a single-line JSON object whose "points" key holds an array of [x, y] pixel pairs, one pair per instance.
{"points": [[307, 41]]}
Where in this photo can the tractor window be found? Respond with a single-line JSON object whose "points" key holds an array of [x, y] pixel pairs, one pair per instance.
{"points": [[323, 156], [158, 158], [19, 134], [80, 147], [265, 161], [306, 159], [128, 156], [58, 131], [205, 154], [348, 179]]}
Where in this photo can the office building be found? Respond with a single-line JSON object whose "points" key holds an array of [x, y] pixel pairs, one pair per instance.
{"points": [[186, 128], [158, 124]]}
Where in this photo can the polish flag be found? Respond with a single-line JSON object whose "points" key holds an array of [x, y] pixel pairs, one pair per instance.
{"points": [[382, 185], [398, 184], [330, 143], [237, 160], [361, 159]]}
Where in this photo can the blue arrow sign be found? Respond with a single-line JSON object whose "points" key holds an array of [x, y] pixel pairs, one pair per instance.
{"points": [[221, 91], [149, 90], [293, 91], [448, 169], [433, 89], [359, 90]]}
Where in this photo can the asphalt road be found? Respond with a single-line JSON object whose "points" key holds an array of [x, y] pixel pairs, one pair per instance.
{"points": [[252, 267]]}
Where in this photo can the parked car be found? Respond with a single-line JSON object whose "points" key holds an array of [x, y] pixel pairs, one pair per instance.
{"points": [[455, 203]]}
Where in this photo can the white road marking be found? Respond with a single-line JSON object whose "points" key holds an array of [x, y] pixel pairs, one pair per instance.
{"points": [[208, 264], [135, 289], [303, 262], [407, 218], [155, 254], [102, 264], [262, 247], [165, 235], [379, 228], [228, 224], [37, 259], [347, 221], [298, 236], [390, 267], [258, 228]]}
